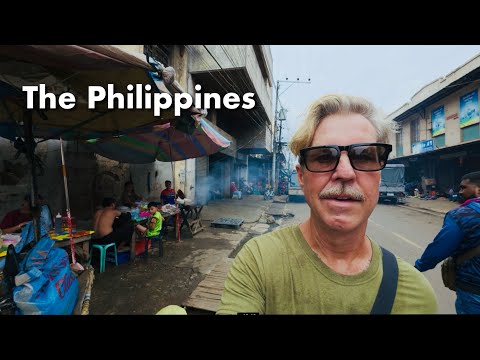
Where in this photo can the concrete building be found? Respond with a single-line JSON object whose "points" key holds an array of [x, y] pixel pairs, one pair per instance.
{"points": [[217, 68], [224, 69], [439, 134], [239, 69]]}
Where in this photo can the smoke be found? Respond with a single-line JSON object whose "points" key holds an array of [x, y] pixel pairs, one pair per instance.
{"points": [[206, 185], [222, 172]]}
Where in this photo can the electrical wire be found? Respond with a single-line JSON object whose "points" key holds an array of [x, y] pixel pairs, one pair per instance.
{"points": [[242, 79], [220, 76]]}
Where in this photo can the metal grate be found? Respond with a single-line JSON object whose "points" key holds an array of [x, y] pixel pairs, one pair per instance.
{"points": [[232, 223]]}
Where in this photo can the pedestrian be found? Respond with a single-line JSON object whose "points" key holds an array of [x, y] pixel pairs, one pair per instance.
{"points": [[282, 186], [459, 234], [327, 264]]}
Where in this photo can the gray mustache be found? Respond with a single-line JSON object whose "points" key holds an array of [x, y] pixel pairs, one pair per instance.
{"points": [[342, 190]]}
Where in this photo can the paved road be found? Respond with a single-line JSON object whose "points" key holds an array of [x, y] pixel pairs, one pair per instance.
{"points": [[405, 232]]}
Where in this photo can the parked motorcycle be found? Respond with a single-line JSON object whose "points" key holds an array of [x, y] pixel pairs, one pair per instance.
{"points": [[247, 188]]}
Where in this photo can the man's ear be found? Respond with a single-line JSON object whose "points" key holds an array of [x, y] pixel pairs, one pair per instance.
{"points": [[299, 174]]}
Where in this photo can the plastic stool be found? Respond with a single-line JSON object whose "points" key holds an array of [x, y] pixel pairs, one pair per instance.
{"points": [[158, 238], [103, 252]]}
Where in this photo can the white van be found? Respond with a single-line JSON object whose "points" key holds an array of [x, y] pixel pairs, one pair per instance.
{"points": [[295, 192]]}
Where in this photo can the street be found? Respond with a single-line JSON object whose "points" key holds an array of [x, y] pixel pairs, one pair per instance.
{"points": [[403, 231]]}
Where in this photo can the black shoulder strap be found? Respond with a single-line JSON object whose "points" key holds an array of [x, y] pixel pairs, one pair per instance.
{"points": [[388, 287]]}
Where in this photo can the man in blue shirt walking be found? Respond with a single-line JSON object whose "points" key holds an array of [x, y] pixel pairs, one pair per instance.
{"points": [[459, 234]]}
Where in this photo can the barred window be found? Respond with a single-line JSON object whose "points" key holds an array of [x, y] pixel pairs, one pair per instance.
{"points": [[414, 131], [160, 53]]}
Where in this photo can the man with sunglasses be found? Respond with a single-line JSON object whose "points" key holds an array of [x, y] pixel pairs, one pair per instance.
{"points": [[327, 264]]}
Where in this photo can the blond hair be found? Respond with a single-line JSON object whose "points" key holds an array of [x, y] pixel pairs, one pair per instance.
{"points": [[334, 104]]}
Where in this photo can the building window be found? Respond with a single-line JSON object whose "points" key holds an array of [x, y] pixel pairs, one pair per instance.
{"points": [[160, 53], [414, 131], [399, 142], [439, 141], [470, 132]]}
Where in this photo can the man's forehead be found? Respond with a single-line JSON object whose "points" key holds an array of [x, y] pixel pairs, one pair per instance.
{"points": [[466, 182], [344, 129]]}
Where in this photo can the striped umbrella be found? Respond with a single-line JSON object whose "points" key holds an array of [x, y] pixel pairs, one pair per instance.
{"points": [[160, 142]]}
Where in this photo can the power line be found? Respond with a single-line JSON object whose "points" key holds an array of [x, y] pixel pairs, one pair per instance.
{"points": [[216, 76], [234, 86], [242, 79]]}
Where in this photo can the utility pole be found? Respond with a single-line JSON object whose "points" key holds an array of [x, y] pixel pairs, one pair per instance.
{"points": [[274, 148], [281, 119], [274, 158]]}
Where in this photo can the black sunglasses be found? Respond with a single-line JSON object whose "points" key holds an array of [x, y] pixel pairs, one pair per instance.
{"points": [[363, 157]]}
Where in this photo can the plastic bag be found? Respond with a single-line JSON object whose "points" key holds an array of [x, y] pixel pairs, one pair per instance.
{"points": [[26, 237], [46, 285]]}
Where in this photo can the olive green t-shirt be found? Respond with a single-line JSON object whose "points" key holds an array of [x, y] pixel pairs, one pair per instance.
{"points": [[278, 273]]}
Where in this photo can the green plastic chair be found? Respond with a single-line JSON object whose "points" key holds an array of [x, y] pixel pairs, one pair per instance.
{"points": [[103, 254]]}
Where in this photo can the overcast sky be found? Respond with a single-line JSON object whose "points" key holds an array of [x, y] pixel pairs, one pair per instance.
{"points": [[388, 75]]}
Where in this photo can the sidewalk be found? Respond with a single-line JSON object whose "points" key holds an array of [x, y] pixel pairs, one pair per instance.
{"points": [[205, 253], [145, 286], [439, 206], [249, 208]]}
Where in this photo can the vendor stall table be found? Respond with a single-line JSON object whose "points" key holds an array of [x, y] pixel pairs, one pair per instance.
{"points": [[81, 237]]}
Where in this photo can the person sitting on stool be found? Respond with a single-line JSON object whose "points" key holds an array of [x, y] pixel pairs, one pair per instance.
{"points": [[110, 225], [236, 194], [154, 225], [167, 196]]}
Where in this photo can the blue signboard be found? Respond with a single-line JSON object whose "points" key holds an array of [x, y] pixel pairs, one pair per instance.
{"points": [[422, 146], [469, 109], [438, 121]]}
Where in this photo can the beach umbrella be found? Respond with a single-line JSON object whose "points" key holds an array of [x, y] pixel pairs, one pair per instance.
{"points": [[161, 142]]}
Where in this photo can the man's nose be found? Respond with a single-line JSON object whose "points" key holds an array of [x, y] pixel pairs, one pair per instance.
{"points": [[344, 169]]}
